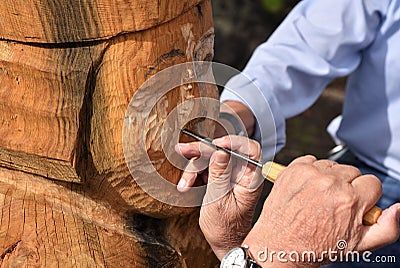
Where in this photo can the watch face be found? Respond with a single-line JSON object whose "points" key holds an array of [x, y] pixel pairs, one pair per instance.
{"points": [[234, 258]]}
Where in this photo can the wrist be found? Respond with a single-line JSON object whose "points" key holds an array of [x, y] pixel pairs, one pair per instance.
{"points": [[221, 246], [262, 255], [243, 112], [268, 253]]}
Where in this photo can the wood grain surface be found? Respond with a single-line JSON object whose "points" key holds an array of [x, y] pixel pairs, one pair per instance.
{"points": [[68, 71], [47, 21]]}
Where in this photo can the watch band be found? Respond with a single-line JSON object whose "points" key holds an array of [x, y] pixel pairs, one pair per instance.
{"points": [[239, 257], [251, 263], [235, 121]]}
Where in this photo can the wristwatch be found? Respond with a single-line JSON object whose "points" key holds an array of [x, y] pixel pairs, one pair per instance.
{"points": [[234, 121], [238, 258]]}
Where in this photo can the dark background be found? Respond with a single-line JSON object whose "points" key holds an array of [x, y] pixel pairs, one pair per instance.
{"points": [[240, 26]]}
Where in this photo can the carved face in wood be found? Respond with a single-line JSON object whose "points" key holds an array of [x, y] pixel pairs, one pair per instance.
{"points": [[62, 105]]}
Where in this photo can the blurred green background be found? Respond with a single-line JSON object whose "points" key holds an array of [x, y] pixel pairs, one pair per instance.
{"points": [[240, 26]]}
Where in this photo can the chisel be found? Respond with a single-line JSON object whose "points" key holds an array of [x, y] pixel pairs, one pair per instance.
{"points": [[271, 170]]}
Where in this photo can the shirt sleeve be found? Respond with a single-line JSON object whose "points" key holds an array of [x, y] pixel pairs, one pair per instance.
{"points": [[317, 42]]}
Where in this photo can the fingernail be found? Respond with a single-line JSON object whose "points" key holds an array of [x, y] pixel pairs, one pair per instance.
{"points": [[179, 146], [181, 185], [183, 144], [220, 141]]}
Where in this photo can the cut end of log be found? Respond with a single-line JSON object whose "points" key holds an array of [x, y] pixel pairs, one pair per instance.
{"points": [[53, 169]]}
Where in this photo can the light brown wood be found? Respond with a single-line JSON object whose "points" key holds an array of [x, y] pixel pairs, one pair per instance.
{"points": [[68, 71], [41, 21], [372, 215], [271, 171], [46, 225]]}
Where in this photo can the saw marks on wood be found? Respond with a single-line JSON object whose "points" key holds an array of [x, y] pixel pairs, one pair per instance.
{"points": [[68, 71], [42, 224], [41, 98], [67, 104], [45, 225], [47, 21]]}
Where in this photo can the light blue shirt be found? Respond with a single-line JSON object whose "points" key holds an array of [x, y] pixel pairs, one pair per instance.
{"points": [[321, 40]]}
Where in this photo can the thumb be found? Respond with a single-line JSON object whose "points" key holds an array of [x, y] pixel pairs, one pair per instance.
{"points": [[219, 177], [382, 233]]}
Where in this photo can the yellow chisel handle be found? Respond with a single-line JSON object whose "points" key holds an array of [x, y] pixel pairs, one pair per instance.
{"points": [[271, 170]]}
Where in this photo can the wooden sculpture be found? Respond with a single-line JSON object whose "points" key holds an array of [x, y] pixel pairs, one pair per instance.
{"points": [[68, 70]]}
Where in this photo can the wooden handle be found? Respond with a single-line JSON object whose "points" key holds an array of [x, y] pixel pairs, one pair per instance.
{"points": [[271, 170]]}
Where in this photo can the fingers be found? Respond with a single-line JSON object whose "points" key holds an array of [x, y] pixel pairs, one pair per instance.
{"points": [[345, 172], [218, 166], [247, 176], [219, 173], [219, 177], [369, 190], [307, 159], [194, 149], [199, 155], [188, 177], [240, 144], [382, 233], [191, 173]]}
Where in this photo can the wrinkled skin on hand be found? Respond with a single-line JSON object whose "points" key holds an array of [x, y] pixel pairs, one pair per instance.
{"points": [[314, 204], [233, 190]]}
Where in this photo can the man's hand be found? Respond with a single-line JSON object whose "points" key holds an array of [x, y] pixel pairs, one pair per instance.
{"points": [[232, 192], [196, 172], [313, 205]]}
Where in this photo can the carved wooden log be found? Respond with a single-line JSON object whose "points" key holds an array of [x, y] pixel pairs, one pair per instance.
{"points": [[68, 70]]}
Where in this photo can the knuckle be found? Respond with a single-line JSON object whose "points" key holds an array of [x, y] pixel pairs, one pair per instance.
{"points": [[302, 170], [309, 158], [327, 182], [349, 171], [352, 169], [394, 236], [257, 149], [219, 174], [325, 162], [203, 225], [346, 198], [375, 185]]}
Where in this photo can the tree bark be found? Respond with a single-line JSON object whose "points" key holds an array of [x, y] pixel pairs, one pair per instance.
{"points": [[68, 71]]}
